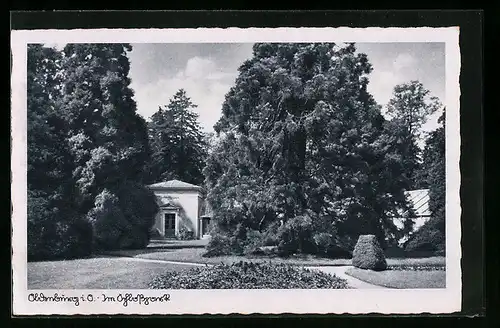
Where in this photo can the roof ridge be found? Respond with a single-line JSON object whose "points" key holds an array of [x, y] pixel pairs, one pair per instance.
{"points": [[174, 183]]}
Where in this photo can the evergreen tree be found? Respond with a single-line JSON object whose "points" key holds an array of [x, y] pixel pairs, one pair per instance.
{"points": [[431, 236], [108, 141], [302, 150], [178, 146]]}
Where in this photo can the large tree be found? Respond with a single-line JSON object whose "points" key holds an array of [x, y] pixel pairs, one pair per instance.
{"points": [[55, 230], [409, 109], [431, 236], [178, 145], [302, 150], [108, 141]]}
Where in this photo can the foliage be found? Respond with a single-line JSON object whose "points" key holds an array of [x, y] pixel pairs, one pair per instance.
{"points": [[301, 142], [55, 229], [368, 254], [409, 108], [178, 146], [431, 236], [219, 245], [247, 275], [185, 234], [51, 236], [87, 148], [412, 104], [330, 245], [296, 236], [123, 220]]}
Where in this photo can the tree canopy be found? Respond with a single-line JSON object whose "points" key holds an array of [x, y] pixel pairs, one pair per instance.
{"points": [[81, 96], [303, 149], [409, 109], [178, 145]]}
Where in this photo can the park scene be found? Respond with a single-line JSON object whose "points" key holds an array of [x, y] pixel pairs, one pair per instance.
{"points": [[236, 166]]}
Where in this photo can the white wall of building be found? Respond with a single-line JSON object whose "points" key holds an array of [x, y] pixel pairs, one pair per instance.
{"points": [[188, 213]]}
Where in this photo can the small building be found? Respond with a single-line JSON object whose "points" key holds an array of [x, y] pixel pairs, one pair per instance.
{"points": [[183, 210]]}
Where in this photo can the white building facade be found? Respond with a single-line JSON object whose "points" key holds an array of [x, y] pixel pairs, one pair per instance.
{"points": [[182, 210]]}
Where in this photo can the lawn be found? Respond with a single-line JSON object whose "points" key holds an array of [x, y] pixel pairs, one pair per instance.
{"points": [[194, 255], [439, 261], [401, 278], [96, 273]]}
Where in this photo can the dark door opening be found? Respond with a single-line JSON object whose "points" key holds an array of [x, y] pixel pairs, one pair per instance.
{"points": [[169, 224], [205, 225]]}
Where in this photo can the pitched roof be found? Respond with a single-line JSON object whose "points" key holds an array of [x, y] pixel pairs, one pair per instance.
{"points": [[419, 199], [174, 184]]}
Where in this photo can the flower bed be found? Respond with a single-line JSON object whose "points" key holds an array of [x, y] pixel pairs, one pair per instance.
{"points": [[248, 275], [417, 268]]}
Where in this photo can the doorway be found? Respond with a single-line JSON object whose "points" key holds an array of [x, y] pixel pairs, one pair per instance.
{"points": [[205, 225], [169, 224]]}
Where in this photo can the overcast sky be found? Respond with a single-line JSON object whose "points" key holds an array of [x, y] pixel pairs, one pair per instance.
{"points": [[207, 72]]}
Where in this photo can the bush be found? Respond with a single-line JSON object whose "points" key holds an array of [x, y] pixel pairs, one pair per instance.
{"points": [[248, 275], [124, 219], [329, 246], [53, 234], [430, 239], [368, 254], [295, 236], [253, 240], [185, 234], [218, 245]]}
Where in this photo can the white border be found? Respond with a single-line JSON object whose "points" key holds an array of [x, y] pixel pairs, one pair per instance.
{"points": [[244, 301]]}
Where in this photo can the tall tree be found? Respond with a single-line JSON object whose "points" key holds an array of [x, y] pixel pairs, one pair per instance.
{"points": [[302, 146], [108, 141], [431, 236], [179, 147], [54, 228], [434, 160], [409, 108]]}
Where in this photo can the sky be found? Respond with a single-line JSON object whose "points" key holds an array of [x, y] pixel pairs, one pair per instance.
{"points": [[207, 71]]}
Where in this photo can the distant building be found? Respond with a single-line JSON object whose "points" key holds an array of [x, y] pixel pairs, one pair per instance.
{"points": [[182, 209]]}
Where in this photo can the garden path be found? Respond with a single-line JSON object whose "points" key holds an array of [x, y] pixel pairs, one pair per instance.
{"points": [[339, 271]]}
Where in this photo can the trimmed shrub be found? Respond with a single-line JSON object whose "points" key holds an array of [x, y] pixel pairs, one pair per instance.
{"points": [[248, 275], [368, 254]]}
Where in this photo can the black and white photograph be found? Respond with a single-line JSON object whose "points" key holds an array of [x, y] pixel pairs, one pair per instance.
{"points": [[312, 163]]}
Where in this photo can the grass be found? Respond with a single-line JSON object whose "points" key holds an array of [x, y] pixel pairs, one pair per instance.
{"points": [[426, 261], [401, 278], [96, 273], [194, 255]]}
